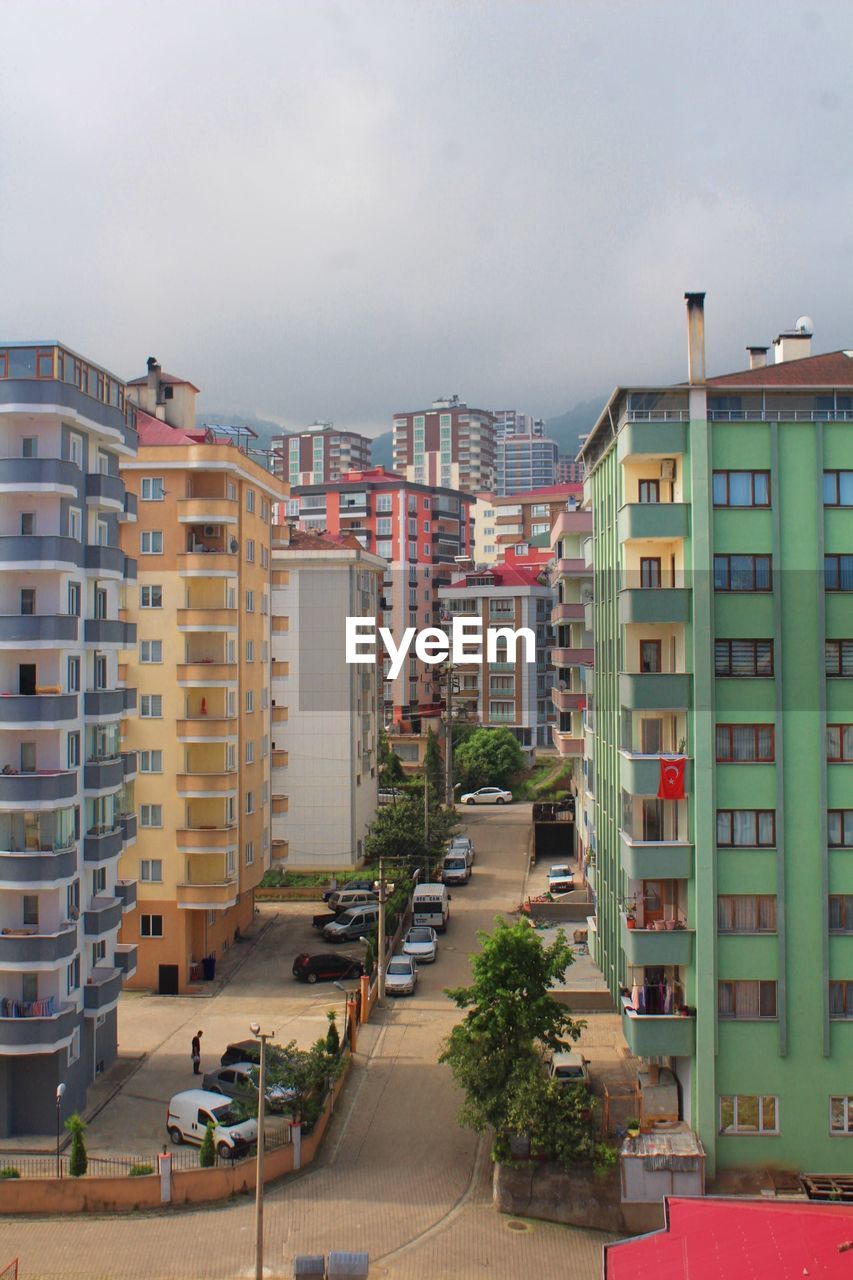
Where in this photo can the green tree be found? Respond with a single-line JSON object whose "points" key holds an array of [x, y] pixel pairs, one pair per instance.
{"points": [[207, 1151], [397, 832], [489, 758], [333, 1039], [305, 1074], [391, 771], [558, 1121], [434, 769], [494, 1053], [78, 1162]]}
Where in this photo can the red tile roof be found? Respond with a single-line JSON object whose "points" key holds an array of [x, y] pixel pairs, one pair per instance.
{"points": [[708, 1239], [565, 490], [314, 540], [154, 432], [835, 369], [503, 575]]}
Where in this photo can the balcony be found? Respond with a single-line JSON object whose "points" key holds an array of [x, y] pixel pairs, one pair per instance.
{"points": [[567, 699], [656, 946], [207, 897], [126, 893], [40, 475], [102, 990], [21, 1034], [100, 703], [658, 691], [37, 788], [589, 614], [571, 568], [656, 859], [103, 775], [208, 619], [128, 827], [41, 630], [207, 673], [572, 657], [208, 564], [206, 839], [26, 946], [102, 916], [106, 632], [280, 804], [652, 520], [278, 715], [105, 491], [48, 553], [106, 561], [654, 604], [102, 844], [44, 709], [572, 612], [640, 775], [566, 744], [35, 869], [128, 515], [658, 1035], [208, 510], [128, 764], [207, 728], [124, 958], [128, 700], [130, 568], [279, 759], [571, 522], [220, 782], [655, 436]]}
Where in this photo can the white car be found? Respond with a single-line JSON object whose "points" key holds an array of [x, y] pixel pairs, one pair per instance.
{"points": [[421, 943], [560, 878], [401, 976], [488, 795]]}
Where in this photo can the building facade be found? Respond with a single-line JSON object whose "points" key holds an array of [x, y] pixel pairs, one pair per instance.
{"points": [[449, 445], [319, 454], [529, 517], [201, 663], [325, 769], [569, 470], [66, 784], [722, 809], [572, 655]]}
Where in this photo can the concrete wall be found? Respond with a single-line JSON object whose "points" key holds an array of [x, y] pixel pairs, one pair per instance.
{"points": [[579, 1199]]}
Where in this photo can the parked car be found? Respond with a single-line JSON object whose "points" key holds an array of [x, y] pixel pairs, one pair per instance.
{"points": [[388, 795], [242, 1051], [487, 795], [353, 924], [568, 1067], [350, 884], [462, 844], [560, 878], [343, 898], [240, 1080], [401, 976], [191, 1111], [325, 967], [421, 943], [455, 869]]}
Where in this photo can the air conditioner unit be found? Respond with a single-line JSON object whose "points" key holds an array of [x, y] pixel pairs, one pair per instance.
{"points": [[211, 530], [667, 469]]}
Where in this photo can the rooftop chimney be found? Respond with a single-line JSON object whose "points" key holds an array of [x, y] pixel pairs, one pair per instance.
{"points": [[695, 338], [154, 371], [796, 343], [757, 357]]}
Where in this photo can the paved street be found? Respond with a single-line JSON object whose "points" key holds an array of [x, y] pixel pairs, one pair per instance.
{"points": [[396, 1176]]}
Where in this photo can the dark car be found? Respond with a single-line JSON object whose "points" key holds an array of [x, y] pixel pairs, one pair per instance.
{"points": [[367, 885], [326, 967], [242, 1051]]}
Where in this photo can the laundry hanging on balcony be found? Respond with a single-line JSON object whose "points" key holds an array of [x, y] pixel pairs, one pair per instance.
{"points": [[671, 784]]}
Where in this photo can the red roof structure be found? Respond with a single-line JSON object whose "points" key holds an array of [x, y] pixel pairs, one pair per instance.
{"points": [[834, 369], [152, 431], [710, 1239], [501, 575]]}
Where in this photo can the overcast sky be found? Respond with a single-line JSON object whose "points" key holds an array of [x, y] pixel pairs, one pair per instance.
{"points": [[339, 210]]}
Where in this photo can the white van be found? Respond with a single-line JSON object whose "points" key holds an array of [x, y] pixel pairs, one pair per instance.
{"points": [[431, 905], [193, 1110]]}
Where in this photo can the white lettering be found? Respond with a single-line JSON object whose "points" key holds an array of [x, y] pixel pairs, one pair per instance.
{"points": [[397, 656], [511, 637], [432, 645], [467, 632], [355, 639]]}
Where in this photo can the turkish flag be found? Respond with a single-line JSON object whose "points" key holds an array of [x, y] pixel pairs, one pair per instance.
{"points": [[671, 785]]}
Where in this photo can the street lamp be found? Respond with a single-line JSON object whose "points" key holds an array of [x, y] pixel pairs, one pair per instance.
{"points": [[263, 1036], [60, 1094], [345, 990]]}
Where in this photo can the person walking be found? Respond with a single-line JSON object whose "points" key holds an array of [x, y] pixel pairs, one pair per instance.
{"points": [[196, 1053]]}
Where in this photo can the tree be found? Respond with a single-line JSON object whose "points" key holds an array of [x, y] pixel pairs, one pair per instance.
{"points": [[207, 1151], [78, 1162], [489, 757], [391, 771], [333, 1039], [397, 832], [433, 769], [495, 1052]]}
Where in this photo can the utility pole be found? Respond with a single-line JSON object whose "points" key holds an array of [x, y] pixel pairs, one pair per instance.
{"points": [[380, 937], [263, 1036], [448, 741]]}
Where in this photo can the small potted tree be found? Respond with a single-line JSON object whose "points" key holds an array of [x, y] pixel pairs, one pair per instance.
{"points": [[632, 1127]]}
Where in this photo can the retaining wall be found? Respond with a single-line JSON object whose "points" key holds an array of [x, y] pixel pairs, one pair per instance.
{"points": [[545, 1191]]}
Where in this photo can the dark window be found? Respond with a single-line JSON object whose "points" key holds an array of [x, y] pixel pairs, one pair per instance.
{"points": [[741, 488], [838, 488], [650, 656], [838, 573], [746, 828], [841, 999], [742, 573], [839, 742], [746, 913], [841, 913], [649, 491], [839, 828], [650, 572], [743, 657], [839, 657], [745, 743], [150, 926], [748, 999]]}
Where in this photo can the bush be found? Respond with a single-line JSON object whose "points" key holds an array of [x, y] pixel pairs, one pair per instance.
{"points": [[79, 1161], [333, 1039], [140, 1170], [8, 1172], [207, 1151]]}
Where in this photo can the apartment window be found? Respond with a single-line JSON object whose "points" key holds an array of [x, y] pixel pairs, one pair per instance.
{"points": [[841, 999], [265, 746], [741, 488], [384, 549], [250, 499], [649, 491], [152, 489], [150, 815], [839, 742], [151, 762], [151, 926], [839, 828], [650, 656], [746, 743], [151, 651], [426, 551], [250, 550], [250, 602], [73, 677], [250, 852], [749, 1114], [74, 599], [28, 523], [72, 976], [426, 526], [265, 794], [99, 953], [151, 597], [841, 913], [838, 573], [650, 572], [100, 671], [265, 698], [413, 551], [743, 658], [841, 1114], [746, 828], [151, 706], [29, 447], [151, 542], [30, 911], [746, 913], [838, 488], [250, 802], [742, 573], [383, 503], [839, 657], [746, 1000], [28, 602], [250, 700], [75, 523], [250, 651], [151, 870], [73, 750], [250, 752]]}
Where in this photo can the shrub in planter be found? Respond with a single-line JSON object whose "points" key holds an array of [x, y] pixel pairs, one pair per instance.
{"points": [[9, 1172], [139, 1170], [207, 1151], [78, 1162], [333, 1039]]}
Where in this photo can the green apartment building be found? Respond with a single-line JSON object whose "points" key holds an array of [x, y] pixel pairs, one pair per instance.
{"points": [[723, 627]]}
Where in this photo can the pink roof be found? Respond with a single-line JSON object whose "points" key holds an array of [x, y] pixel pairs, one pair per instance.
{"points": [[709, 1239], [154, 432], [503, 575], [565, 490]]}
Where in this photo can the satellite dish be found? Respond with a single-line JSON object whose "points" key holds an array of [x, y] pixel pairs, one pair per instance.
{"points": [[804, 325]]}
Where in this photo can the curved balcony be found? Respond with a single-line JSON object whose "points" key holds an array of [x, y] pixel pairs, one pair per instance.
{"points": [[21, 947], [107, 561], [572, 657], [36, 869], [204, 511], [566, 744], [128, 515], [128, 827], [100, 703], [130, 569], [656, 946], [222, 782], [105, 491], [206, 839], [50, 553], [567, 699], [109, 632], [102, 916], [647, 438], [124, 958], [128, 700], [20, 789], [126, 892], [208, 564], [38, 630], [658, 1035], [129, 764], [207, 729], [208, 619], [640, 775], [574, 567], [45, 709], [25, 1035], [654, 604], [207, 673], [653, 520], [567, 613], [207, 897], [40, 475], [103, 775], [103, 846], [658, 691], [50, 393], [656, 860], [102, 990]]}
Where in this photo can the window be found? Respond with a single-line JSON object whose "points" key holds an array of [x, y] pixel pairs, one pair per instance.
{"points": [[151, 542], [250, 700], [841, 913], [150, 926], [746, 913], [746, 828], [151, 651], [841, 1114], [73, 750], [28, 523], [151, 706], [746, 743], [151, 762], [746, 1000], [151, 870], [150, 815], [839, 828], [839, 657], [72, 976], [650, 656], [250, 651], [250, 550], [741, 488], [742, 573], [250, 499], [743, 1113], [99, 953], [73, 679], [250, 602], [250, 802], [152, 489], [28, 602], [75, 523], [385, 550], [838, 488], [838, 573], [743, 658], [383, 503], [841, 999], [29, 447], [413, 551], [250, 752], [839, 742], [151, 597], [650, 572], [100, 671], [74, 599], [265, 794], [250, 852]]}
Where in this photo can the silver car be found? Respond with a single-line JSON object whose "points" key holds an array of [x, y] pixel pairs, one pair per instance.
{"points": [[421, 943], [401, 976], [463, 844]]}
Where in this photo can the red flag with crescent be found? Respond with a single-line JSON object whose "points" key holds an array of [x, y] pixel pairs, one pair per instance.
{"points": [[671, 785]]}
